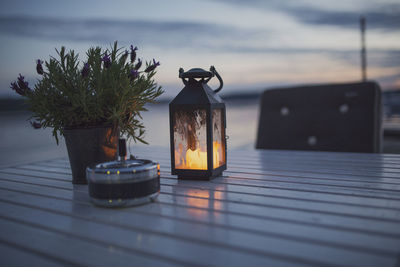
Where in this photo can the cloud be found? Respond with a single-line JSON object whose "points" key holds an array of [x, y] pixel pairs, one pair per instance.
{"points": [[388, 82], [240, 49], [385, 58], [375, 19], [378, 15], [181, 34], [160, 33], [376, 57]]}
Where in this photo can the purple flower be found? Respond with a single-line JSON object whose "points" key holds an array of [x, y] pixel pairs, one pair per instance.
{"points": [[152, 66], [85, 70], [138, 65], [133, 74], [36, 125], [16, 88], [22, 83], [133, 53], [20, 86], [39, 67], [107, 61]]}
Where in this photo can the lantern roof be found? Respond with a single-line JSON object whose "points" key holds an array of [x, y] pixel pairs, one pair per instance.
{"points": [[196, 93], [196, 73]]}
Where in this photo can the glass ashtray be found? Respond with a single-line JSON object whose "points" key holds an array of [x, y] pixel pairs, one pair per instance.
{"points": [[123, 183]]}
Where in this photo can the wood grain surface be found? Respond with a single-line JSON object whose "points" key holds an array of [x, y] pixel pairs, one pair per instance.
{"points": [[270, 208]]}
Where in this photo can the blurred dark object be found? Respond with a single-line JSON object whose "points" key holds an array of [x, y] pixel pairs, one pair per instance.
{"points": [[88, 146], [122, 149], [334, 117]]}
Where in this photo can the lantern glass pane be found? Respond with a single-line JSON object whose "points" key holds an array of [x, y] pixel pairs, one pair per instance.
{"points": [[190, 139], [218, 129]]}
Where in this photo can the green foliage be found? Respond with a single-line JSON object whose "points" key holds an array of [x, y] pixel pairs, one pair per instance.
{"points": [[65, 97]]}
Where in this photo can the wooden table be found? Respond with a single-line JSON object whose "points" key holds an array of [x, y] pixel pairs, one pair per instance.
{"points": [[270, 208]]}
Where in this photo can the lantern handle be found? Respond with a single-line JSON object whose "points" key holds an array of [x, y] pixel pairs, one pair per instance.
{"points": [[221, 82], [181, 71], [200, 73]]}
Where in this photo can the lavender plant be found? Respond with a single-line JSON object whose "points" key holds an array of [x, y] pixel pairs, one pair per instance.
{"points": [[105, 90]]}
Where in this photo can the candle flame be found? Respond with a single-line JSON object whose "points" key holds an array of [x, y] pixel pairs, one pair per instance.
{"points": [[197, 159]]}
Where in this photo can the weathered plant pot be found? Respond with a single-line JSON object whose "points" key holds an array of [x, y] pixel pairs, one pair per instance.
{"points": [[87, 146]]}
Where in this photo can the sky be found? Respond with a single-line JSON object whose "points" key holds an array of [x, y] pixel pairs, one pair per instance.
{"points": [[253, 44]]}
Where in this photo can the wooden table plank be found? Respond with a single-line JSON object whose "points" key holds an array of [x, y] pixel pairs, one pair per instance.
{"points": [[121, 229], [281, 193], [269, 208], [219, 193], [63, 248], [266, 172], [167, 208], [389, 191], [306, 212], [337, 186], [14, 256], [268, 167]]}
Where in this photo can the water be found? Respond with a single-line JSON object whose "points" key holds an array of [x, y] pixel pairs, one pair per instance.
{"points": [[241, 128], [21, 143]]}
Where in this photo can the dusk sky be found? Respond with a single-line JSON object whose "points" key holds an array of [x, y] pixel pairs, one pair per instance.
{"points": [[254, 44]]}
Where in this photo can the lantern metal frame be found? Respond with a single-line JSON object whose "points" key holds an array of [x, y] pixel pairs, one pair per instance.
{"points": [[198, 95]]}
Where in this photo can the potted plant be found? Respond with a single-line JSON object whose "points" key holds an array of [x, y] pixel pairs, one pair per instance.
{"points": [[91, 103]]}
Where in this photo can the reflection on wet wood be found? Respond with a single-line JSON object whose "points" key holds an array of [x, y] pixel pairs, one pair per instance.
{"points": [[269, 208]]}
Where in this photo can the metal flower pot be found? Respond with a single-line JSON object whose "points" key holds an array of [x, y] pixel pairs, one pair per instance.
{"points": [[87, 146]]}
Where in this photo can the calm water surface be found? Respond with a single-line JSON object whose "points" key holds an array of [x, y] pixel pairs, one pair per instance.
{"points": [[21, 143], [241, 128]]}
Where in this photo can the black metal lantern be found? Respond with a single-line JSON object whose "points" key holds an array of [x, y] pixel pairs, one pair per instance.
{"points": [[197, 127]]}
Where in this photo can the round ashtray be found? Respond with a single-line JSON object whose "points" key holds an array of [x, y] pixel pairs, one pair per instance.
{"points": [[123, 183]]}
